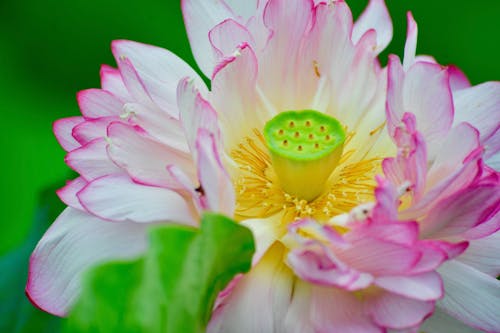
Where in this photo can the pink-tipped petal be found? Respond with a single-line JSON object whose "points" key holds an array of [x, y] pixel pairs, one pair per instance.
{"points": [[62, 130], [458, 79], [195, 113], [67, 194], [227, 36], [75, 242], [375, 16], [144, 158], [200, 17], [117, 198], [92, 129], [97, 103], [424, 91], [91, 161], [158, 125], [234, 95], [471, 296], [111, 80], [411, 42], [216, 183]]}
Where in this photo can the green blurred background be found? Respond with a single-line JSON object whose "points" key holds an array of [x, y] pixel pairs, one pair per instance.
{"points": [[51, 49]]}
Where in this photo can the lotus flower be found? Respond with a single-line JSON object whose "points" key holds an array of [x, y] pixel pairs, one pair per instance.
{"points": [[371, 192]]}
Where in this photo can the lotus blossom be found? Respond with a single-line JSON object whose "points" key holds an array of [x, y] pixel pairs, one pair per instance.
{"points": [[372, 192]]}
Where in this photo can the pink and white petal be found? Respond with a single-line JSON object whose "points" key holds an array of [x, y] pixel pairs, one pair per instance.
{"points": [[457, 180], [461, 211], [63, 132], [91, 161], [200, 16], [411, 42], [377, 257], [158, 69], [97, 103], [387, 201], [424, 287], [288, 21], [484, 255], [471, 296], [440, 322], [157, 124], [336, 310], [133, 82], [227, 36], [75, 242], [92, 129], [217, 186], [195, 113], [398, 312], [479, 106], [144, 158], [375, 16], [117, 198], [260, 299], [67, 194], [452, 153], [111, 80], [234, 97], [424, 91], [458, 79]]}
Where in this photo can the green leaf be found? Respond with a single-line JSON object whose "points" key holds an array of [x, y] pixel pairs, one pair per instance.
{"points": [[172, 288]]}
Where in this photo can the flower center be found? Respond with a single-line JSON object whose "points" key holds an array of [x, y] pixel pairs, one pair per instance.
{"points": [[305, 146], [259, 189]]}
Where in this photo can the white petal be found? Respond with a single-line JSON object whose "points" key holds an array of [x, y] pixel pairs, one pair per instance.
{"points": [[259, 300], [158, 69], [117, 198], [471, 296], [440, 322], [200, 16], [484, 254], [75, 242], [375, 16]]}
